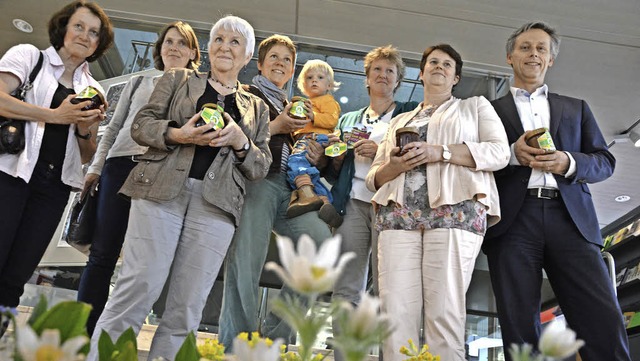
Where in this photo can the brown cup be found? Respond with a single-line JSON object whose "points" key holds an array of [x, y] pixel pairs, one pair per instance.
{"points": [[405, 136], [541, 139], [91, 96]]}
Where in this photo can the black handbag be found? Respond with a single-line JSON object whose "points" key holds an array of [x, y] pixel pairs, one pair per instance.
{"points": [[81, 224], [11, 130]]}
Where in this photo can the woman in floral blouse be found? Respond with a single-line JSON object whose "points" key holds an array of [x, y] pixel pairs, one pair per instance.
{"points": [[434, 202]]}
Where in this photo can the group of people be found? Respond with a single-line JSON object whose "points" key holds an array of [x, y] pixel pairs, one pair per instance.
{"points": [[186, 197]]}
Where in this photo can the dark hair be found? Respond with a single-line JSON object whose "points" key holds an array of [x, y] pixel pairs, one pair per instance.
{"points": [[59, 21], [555, 38], [446, 48], [389, 53], [270, 42], [192, 41]]}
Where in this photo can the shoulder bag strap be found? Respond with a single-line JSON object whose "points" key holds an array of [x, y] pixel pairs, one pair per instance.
{"points": [[22, 91]]}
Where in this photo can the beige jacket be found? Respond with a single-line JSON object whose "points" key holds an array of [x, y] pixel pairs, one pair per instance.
{"points": [[164, 168], [471, 121]]}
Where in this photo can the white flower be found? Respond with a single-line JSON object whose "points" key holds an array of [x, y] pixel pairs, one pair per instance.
{"points": [[309, 272], [365, 318], [558, 341], [47, 347], [262, 350]]}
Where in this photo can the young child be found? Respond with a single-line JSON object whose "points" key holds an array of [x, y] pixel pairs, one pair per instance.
{"points": [[316, 82]]}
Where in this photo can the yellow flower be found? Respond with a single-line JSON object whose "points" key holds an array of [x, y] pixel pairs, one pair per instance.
{"points": [[309, 271], [211, 350], [47, 347], [256, 349]]}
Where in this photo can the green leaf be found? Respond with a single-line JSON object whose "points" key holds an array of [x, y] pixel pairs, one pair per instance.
{"points": [[128, 351], [68, 317], [127, 336], [106, 347], [38, 310], [188, 351]]}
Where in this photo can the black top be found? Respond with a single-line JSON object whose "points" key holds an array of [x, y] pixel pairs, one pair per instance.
{"points": [[54, 142], [205, 154]]}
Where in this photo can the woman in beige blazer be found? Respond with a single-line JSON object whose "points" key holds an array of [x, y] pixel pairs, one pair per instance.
{"points": [[187, 191], [434, 201]]}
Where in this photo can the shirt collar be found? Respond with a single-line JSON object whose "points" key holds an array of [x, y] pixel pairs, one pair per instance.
{"points": [[56, 61], [518, 92]]}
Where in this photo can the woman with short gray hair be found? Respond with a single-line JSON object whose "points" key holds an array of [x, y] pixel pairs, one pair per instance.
{"points": [[188, 190]]}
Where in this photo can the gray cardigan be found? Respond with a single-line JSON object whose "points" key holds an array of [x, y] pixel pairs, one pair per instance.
{"points": [[164, 168]]}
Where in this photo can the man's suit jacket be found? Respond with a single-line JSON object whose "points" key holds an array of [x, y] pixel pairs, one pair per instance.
{"points": [[573, 129]]}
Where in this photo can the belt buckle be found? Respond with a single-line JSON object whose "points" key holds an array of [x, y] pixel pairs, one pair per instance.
{"points": [[540, 195]]}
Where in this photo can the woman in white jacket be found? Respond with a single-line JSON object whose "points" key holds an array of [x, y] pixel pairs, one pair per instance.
{"points": [[59, 137], [434, 202]]}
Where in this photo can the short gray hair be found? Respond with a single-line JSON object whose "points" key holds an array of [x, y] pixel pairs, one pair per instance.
{"points": [[238, 25], [555, 38]]}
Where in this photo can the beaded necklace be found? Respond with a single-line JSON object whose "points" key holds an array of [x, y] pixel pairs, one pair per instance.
{"points": [[367, 117]]}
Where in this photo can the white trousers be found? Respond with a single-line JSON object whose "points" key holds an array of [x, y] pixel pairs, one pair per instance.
{"points": [[426, 272], [187, 234]]}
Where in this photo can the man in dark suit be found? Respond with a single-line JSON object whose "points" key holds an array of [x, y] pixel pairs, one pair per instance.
{"points": [[548, 218]]}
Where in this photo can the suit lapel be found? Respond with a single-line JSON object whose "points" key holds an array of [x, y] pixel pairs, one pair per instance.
{"points": [[555, 114], [510, 113]]}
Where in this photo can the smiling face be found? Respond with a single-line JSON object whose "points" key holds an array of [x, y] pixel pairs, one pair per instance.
{"points": [[175, 50], [439, 71], [530, 59], [316, 83], [83, 34], [277, 65], [382, 78], [227, 52]]}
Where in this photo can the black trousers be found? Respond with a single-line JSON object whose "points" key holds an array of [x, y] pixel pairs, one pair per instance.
{"points": [[29, 215], [108, 237], [543, 235]]}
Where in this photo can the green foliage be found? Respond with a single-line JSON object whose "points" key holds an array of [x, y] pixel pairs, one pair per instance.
{"points": [[38, 310], [188, 351], [68, 317], [125, 348]]}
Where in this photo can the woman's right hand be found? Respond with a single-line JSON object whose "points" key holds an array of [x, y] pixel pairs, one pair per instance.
{"points": [[190, 134], [90, 184], [284, 124], [69, 113]]}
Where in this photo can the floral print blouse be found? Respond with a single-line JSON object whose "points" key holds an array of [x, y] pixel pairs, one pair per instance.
{"points": [[415, 213]]}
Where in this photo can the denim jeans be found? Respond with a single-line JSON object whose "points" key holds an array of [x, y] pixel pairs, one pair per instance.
{"points": [[112, 215], [29, 214], [265, 210]]}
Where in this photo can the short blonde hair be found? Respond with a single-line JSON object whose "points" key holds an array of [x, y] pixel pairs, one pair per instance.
{"points": [[320, 66]]}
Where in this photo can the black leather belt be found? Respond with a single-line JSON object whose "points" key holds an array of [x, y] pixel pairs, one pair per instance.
{"points": [[543, 193]]}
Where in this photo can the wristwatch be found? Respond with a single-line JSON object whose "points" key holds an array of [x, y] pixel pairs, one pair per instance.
{"points": [[446, 153], [81, 136]]}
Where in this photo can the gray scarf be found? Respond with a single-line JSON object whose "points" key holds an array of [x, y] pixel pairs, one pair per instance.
{"points": [[276, 96]]}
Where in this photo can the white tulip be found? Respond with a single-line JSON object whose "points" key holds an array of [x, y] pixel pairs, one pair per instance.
{"points": [[557, 341], [310, 272]]}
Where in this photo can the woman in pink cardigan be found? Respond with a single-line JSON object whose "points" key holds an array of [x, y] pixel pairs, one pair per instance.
{"points": [[434, 202]]}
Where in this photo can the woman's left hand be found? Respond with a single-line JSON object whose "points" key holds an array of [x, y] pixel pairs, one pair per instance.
{"points": [[419, 153], [315, 154], [231, 135], [365, 148]]}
